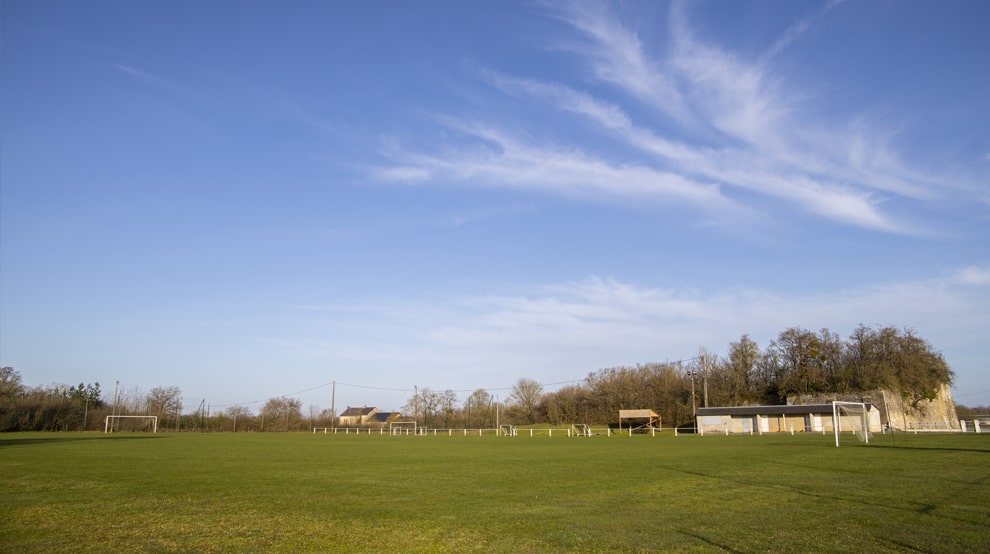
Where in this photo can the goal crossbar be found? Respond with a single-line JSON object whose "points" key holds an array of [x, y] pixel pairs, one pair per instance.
{"points": [[154, 421]]}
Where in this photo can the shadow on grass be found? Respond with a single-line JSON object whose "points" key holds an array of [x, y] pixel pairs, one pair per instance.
{"points": [[932, 448], [46, 441], [918, 508], [709, 541]]}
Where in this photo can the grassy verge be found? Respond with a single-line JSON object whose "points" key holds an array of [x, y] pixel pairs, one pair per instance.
{"points": [[304, 492]]}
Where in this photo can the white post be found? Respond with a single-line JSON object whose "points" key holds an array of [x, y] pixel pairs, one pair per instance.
{"points": [[835, 423], [976, 425], [866, 426]]}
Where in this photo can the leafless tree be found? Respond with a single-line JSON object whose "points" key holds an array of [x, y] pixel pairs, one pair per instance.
{"points": [[742, 365], [477, 408], [281, 413], [525, 397], [164, 402]]}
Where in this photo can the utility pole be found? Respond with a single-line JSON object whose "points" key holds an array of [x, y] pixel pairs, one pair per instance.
{"points": [[498, 428], [704, 370], [116, 398], [333, 407], [694, 405]]}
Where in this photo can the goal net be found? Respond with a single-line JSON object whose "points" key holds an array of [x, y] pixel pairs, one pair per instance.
{"points": [[116, 423], [851, 417], [402, 427]]}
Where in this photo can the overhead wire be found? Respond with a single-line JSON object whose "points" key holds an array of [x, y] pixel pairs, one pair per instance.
{"points": [[415, 389]]}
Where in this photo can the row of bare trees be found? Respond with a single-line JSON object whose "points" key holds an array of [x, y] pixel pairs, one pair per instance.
{"points": [[53, 408], [83, 408], [797, 362]]}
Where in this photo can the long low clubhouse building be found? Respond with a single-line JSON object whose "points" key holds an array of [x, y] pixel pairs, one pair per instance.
{"points": [[811, 418]]}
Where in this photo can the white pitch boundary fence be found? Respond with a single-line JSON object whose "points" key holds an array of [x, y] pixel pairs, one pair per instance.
{"points": [[550, 432], [399, 431], [579, 430]]}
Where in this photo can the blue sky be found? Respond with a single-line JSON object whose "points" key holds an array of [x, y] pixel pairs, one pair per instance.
{"points": [[251, 199]]}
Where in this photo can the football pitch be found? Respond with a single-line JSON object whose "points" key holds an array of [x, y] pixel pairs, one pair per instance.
{"points": [[248, 492]]}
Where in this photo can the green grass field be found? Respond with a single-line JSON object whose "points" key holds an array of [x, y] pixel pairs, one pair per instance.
{"points": [[334, 493]]}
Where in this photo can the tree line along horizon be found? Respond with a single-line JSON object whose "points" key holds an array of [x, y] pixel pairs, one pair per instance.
{"points": [[796, 362]]}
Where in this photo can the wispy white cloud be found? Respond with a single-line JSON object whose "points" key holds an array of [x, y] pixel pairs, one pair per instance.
{"points": [[796, 30], [497, 158], [624, 321], [141, 74], [565, 330], [739, 127], [730, 166], [973, 275], [617, 57]]}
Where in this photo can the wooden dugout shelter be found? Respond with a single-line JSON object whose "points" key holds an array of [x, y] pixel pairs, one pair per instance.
{"points": [[639, 419]]}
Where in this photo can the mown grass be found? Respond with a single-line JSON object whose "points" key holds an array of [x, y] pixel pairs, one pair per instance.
{"points": [[335, 493]]}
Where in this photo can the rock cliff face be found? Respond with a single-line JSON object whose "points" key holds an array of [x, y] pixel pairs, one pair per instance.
{"points": [[935, 415]]}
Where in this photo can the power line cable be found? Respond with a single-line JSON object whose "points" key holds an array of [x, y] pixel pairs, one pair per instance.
{"points": [[393, 389]]}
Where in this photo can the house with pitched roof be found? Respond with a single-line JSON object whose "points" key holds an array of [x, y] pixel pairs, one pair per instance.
{"points": [[365, 416]]}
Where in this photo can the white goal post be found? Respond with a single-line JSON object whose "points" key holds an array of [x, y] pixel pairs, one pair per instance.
{"points": [[401, 427], [154, 421], [508, 430], [853, 417], [581, 429]]}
